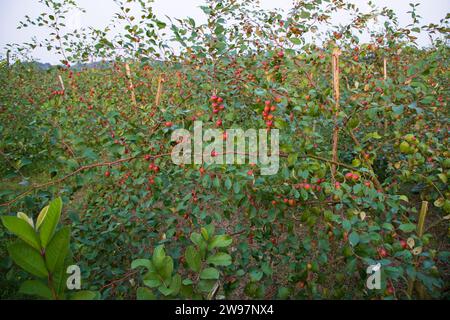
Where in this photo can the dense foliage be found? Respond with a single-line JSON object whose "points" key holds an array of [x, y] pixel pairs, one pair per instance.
{"points": [[356, 173]]}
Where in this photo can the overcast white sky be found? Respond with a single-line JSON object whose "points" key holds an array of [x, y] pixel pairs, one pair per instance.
{"points": [[99, 13]]}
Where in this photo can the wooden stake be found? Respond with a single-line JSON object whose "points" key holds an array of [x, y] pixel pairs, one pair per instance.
{"points": [[159, 92], [7, 58], [61, 83], [337, 95], [385, 68], [130, 84]]}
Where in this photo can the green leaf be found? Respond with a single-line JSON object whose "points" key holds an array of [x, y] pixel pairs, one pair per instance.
{"points": [[220, 241], [152, 279], [398, 110], [145, 294], [228, 184], [220, 259], [84, 295], [292, 158], [280, 124], [407, 227], [296, 41], [353, 238], [209, 274], [346, 225], [236, 187], [48, 225], [443, 177], [158, 257], [28, 259], [57, 249], [141, 263], [23, 230], [160, 24], [25, 218], [175, 285], [196, 238], [167, 268], [193, 259], [205, 234], [216, 183], [60, 277], [36, 288], [165, 290], [41, 217], [256, 275]]}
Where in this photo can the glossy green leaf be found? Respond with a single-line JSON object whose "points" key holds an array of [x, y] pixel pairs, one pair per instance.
{"points": [[23, 230]]}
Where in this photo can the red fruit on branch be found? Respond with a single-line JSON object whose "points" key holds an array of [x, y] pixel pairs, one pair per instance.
{"points": [[404, 244], [382, 252]]}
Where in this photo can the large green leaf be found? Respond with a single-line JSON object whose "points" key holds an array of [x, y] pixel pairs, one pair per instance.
{"points": [[141, 263], [407, 227], [48, 225], [193, 259], [28, 259], [209, 274], [60, 277], [36, 288], [175, 284], [220, 259], [158, 257], [220, 241], [57, 249], [23, 230], [167, 268], [152, 279]]}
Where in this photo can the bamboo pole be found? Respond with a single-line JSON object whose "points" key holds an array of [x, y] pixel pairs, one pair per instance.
{"points": [[420, 230], [423, 214], [130, 84], [336, 75]]}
